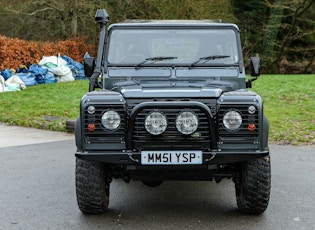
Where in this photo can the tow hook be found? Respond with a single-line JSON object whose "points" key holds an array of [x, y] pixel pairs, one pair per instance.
{"points": [[132, 158], [210, 158]]}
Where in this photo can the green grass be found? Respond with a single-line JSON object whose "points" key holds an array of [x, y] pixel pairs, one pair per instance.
{"points": [[46, 106], [289, 105]]}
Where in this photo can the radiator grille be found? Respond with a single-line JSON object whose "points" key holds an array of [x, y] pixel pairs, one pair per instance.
{"points": [[171, 139], [101, 135], [241, 135]]}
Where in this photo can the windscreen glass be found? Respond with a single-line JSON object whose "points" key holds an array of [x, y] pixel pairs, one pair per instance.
{"points": [[174, 47]]}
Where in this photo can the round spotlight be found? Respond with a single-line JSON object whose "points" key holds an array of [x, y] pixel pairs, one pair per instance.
{"points": [[155, 123], [187, 122]]}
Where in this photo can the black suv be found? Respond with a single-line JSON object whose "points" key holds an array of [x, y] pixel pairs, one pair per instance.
{"points": [[172, 105]]}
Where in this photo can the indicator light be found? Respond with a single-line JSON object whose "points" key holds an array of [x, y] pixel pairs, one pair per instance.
{"points": [[251, 127], [91, 127]]}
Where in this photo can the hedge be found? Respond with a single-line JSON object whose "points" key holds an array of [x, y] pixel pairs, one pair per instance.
{"points": [[15, 52]]}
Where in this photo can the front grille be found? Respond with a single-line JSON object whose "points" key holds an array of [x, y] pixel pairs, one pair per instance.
{"points": [[171, 139], [100, 135], [241, 135]]}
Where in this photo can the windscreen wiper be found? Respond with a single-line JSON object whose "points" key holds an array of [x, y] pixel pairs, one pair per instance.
{"points": [[208, 58], [154, 59], [131, 82]]}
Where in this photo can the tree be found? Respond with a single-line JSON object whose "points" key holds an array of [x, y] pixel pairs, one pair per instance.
{"points": [[65, 19], [169, 9], [296, 41], [252, 17], [279, 31], [50, 19], [271, 32]]}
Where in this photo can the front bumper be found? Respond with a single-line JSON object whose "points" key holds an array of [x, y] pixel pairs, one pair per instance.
{"points": [[134, 158]]}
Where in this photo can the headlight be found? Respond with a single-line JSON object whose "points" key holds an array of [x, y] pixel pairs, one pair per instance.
{"points": [[187, 122], [232, 120], [111, 120], [155, 123]]}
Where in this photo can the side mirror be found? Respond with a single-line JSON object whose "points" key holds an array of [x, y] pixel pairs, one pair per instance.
{"points": [[255, 66], [254, 70], [89, 65]]}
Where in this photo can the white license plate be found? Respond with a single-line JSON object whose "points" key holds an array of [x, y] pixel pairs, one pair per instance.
{"points": [[171, 157]]}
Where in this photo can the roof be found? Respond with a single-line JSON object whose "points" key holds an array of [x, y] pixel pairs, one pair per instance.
{"points": [[174, 23]]}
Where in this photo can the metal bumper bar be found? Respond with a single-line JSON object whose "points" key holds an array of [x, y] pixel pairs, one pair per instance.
{"points": [[134, 158]]}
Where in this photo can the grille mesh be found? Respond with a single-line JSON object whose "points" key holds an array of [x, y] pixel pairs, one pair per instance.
{"points": [[241, 135], [171, 139], [101, 135]]}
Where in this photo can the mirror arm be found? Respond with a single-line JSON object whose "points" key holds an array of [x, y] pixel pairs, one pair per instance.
{"points": [[93, 80], [249, 82]]}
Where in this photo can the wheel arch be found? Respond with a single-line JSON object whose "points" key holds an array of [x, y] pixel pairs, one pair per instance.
{"points": [[78, 134], [265, 133]]}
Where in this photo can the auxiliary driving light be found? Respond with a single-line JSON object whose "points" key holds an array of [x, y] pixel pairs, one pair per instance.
{"points": [[187, 122], [155, 123]]}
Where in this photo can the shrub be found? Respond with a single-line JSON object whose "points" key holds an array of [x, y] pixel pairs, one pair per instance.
{"points": [[15, 52]]}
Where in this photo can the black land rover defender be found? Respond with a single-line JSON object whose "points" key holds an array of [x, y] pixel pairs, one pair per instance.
{"points": [[172, 105]]}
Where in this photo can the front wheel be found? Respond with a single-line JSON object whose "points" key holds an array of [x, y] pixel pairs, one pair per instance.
{"points": [[253, 186], [92, 187]]}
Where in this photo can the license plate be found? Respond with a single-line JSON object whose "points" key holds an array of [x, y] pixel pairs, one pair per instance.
{"points": [[171, 157]]}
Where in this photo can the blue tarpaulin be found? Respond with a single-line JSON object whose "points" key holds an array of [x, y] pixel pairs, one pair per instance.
{"points": [[37, 74]]}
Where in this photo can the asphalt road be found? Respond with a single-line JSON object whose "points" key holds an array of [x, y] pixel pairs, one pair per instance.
{"points": [[37, 191]]}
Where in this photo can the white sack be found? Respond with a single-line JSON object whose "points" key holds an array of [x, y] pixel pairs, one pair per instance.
{"points": [[2, 84], [56, 65], [14, 82]]}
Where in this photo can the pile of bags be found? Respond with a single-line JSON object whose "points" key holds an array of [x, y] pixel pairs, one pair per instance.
{"points": [[50, 69]]}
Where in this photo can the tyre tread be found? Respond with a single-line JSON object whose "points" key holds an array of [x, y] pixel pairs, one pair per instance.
{"points": [[254, 191], [91, 187]]}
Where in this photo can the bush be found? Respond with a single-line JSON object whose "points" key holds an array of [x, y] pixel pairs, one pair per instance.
{"points": [[15, 52]]}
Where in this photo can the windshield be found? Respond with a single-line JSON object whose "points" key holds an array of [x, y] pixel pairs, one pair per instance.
{"points": [[172, 46]]}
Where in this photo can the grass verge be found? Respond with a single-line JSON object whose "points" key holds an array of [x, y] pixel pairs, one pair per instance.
{"points": [[289, 105], [46, 106]]}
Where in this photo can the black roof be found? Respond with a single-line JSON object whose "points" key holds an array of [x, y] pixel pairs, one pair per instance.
{"points": [[173, 23]]}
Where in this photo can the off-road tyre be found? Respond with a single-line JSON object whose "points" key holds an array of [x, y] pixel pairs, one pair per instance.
{"points": [[253, 186], [92, 187]]}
